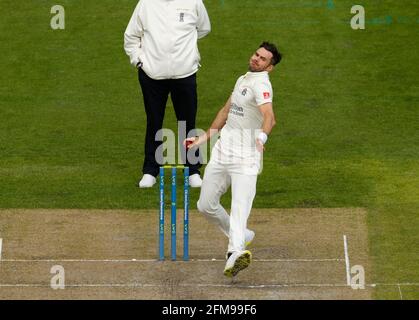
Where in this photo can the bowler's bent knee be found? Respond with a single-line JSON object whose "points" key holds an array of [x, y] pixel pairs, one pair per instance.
{"points": [[205, 208]]}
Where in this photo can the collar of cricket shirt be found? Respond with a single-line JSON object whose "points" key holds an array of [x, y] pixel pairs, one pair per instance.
{"points": [[255, 74]]}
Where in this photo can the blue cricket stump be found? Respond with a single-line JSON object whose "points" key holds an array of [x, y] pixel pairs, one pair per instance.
{"points": [[161, 215], [186, 214], [173, 206]]}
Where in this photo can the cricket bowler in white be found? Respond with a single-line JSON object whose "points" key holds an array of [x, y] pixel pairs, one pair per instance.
{"points": [[245, 122]]}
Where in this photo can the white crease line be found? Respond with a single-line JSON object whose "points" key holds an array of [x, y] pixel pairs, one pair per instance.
{"points": [[208, 285], [400, 291], [403, 284], [77, 260], [146, 285], [348, 274], [154, 260], [1, 246], [297, 260]]}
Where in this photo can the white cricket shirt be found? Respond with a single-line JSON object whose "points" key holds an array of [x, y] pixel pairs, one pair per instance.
{"points": [[237, 143], [163, 35]]}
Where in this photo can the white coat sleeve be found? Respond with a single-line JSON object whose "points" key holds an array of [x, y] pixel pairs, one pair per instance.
{"points": [[132, 36], [203, 25]]}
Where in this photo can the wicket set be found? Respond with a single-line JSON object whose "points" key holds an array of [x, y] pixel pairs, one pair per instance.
{"points": [[173, 212]]}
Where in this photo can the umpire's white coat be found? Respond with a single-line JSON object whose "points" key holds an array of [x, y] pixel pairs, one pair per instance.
{"points": [[162, 36]]}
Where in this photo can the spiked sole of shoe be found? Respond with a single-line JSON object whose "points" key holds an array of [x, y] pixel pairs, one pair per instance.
{"points": [[241, 263]]}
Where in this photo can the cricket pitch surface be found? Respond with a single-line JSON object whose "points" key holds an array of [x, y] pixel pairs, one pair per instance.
{"points": [[112, 254]]}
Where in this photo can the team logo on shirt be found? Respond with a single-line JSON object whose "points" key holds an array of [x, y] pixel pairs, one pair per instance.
{"points": [[266, 95], [236, 110], [182, 17], [244, 91]]}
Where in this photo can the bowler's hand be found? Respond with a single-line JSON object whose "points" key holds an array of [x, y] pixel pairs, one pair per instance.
{"points": [[192, 142]]}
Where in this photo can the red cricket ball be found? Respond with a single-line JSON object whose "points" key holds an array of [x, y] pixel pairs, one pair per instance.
{"points": [[188, 142]]}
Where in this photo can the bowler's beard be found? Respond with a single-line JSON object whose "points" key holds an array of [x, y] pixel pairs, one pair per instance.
{"points": [[252, 69]]}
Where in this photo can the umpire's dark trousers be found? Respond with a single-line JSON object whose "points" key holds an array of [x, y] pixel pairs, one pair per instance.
{"points": [[185, 102]]}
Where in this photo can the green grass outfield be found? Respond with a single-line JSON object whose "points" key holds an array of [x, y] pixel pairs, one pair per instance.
{"points": [[72, 121]]}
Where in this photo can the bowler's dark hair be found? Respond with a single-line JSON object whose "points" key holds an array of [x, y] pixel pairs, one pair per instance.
{"points": [[276, 55]]}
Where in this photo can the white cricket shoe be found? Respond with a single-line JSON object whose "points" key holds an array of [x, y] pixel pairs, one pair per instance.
{"points": [[248, 238], [195, 181], [147, 181], [238, 261]]}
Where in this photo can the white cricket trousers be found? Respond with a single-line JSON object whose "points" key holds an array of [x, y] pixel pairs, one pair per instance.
{"points": [[217, 180]]}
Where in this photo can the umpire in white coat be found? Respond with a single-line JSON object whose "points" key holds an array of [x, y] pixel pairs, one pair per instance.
{"points": [[161, 42]]}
